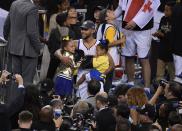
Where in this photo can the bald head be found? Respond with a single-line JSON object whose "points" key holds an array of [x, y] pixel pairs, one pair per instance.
{"points": [[102, 97]]}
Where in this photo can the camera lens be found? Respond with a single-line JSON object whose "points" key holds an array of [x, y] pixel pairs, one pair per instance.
{"points": [[163, 83]]}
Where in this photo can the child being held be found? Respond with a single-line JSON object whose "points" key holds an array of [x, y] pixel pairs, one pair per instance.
{"points": [[101, 63]]}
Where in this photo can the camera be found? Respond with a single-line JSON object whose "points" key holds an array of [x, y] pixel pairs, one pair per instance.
{"points": [[90, 118], [163, 83], [79, 121], [11, 77], [83, 122]]}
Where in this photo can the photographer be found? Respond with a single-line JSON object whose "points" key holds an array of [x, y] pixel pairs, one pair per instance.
{"points": [[80, 107], [47, 120], [10, 108], [172, 93]]}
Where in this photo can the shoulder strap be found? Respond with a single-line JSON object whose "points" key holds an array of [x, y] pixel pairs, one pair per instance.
{"points": [[117, 31], [103, 29]]}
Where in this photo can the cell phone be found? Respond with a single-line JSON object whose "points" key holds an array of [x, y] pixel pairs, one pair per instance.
{"points": [[57, 113]]}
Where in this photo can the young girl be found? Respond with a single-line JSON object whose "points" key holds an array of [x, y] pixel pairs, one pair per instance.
{"points": [[64, 82], [101, 63]]}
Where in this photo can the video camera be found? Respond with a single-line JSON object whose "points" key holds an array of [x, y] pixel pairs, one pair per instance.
{"points": [[80, 121], [83, 122]]}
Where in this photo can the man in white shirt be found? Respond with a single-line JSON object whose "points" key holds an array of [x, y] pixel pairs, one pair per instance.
{"points": [[137, 24]]}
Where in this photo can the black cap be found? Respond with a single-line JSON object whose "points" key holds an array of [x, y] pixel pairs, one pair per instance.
{"points": [[88, 25]]}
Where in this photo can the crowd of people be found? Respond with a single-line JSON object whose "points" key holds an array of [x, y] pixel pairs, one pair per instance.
{"points": [[78, 93]]}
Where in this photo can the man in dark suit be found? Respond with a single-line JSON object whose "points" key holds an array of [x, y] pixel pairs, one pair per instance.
{"points": [[22, 32], [10, 108], [105, 121], [24, 121]]}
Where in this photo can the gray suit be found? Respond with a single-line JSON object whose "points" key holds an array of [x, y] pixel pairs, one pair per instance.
{"points": [[22, 32]]}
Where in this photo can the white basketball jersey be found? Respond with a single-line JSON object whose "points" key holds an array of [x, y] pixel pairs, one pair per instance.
{"points": [[87, 51]]}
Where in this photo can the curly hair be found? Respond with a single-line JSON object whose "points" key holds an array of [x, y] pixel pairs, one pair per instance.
{"points": [[136, 97]]}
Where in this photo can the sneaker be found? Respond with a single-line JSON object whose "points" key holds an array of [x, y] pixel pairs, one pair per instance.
{"points": [[124, 78]]}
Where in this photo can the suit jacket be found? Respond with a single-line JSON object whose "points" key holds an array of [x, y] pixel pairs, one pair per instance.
{"points": [[40, 125], [21, 29], [9, 109], [105, 120]]}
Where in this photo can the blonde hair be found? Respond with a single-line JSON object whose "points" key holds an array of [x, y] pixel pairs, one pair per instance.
{"points": [[80, 107]]}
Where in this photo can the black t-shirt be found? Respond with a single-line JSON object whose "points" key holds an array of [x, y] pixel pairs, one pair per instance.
{"points": [[176, 31], [105, 120], [165, 47]]}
